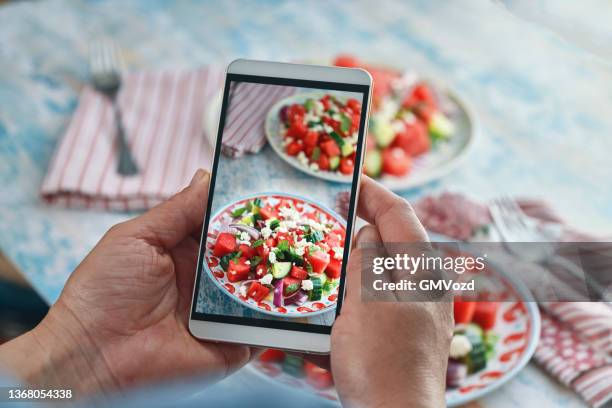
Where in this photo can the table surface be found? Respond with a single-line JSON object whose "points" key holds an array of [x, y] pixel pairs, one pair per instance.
{"points": [[542, 96]]}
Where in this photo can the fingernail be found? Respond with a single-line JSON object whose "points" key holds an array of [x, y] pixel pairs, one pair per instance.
{"points": [[198, 176], [367, 234]]}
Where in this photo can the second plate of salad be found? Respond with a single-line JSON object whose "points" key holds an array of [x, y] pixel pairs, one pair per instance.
{"points": [[316, 132], [278, 254]]}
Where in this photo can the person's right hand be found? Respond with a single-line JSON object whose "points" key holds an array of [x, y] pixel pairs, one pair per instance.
{"points": [[389, 353]]}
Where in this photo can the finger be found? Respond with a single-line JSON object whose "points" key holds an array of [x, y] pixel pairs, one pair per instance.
{"points": [[185, 257], [170, 222], [392, 215]]}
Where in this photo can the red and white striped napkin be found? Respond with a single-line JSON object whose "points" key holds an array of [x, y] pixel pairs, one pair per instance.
{"points": [[248, 107], [163, 117], [163, 120], [576, 340]]}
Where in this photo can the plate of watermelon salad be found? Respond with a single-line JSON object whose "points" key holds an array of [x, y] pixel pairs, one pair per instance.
{"points": [[278, 254], [419, 130], [492, 342], [316, 133]]}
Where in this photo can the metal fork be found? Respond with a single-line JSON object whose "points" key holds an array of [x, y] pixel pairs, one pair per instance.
{"points": [[106, 65], [519, 231]]}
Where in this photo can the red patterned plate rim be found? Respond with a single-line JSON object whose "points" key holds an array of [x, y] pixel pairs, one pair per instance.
{"points": [[309, 308], [520, 347]]}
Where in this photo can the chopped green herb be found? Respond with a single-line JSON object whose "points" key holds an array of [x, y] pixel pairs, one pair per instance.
{"points": [[313, 123], [280, 255], [257, 202], [256, 260], [294, 257], [238, 212], [309, 268], [346, 123], [337, 138], [283, 245], [316, 153], [224, 261], [257, 243], [274, 224]]}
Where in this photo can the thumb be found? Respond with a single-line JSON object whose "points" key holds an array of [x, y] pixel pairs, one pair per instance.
{"points": [[170, 222]]}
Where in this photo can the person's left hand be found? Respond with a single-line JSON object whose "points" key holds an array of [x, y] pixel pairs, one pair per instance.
{"points": [[122, 317]]}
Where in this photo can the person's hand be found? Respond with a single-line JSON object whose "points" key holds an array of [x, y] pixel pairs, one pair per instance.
{"points": [[122, 316], [389, 353]]}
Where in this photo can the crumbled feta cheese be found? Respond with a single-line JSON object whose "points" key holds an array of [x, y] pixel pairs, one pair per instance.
{"points": [[272, 257], [244, 238], [310, 117], [289, 213], [247, 262], [460, 346], [408, 117], [307, 285], [318, 107], [327, 128], [243, 290], [336, 117], [316, 225], [302, 158], [338, 252], [287, 141], [266, 280], [314, 166], [286, 226], [398, 126], [300, 246], [266, 232]]}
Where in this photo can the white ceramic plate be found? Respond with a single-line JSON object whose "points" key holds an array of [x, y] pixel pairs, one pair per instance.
{"points": [[518, 328], [272, 129], [430, 166]]}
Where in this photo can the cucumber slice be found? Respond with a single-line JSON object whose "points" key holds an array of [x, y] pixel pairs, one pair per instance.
{"points": [[383, 133], [317, 289], [281, 269], [476, 359], [346, 149], [334, 162], [247, 220], [373, 163], [440, 127], [321, 276], [309, 104]]}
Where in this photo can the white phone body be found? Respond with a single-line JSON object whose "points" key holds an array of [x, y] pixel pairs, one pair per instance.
{"points": [[265, 336]]}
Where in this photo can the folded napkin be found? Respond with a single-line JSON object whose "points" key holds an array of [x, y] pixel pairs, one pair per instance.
{"points": [[246, 115], [163, 119], [576, 340]]}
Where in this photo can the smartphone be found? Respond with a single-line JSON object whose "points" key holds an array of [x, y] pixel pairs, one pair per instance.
{"points": [[274, 250]]}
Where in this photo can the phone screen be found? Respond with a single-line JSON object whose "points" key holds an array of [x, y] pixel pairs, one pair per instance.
{"points": [[280, 209]]}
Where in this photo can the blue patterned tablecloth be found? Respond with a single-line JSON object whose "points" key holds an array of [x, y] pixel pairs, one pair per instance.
{"points": [[543, 98]]}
